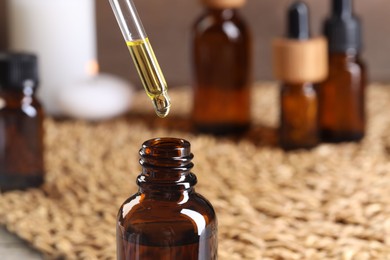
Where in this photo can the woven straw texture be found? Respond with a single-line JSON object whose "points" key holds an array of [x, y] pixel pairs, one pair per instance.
{"points": [[328, 203]]}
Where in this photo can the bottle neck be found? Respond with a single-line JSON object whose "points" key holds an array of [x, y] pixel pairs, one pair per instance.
{"points": [[222, 14], [342, 8], [17, 94], [166, 166], [298, 88], [161, 183]]}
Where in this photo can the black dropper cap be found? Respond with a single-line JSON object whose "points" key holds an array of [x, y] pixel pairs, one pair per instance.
{"points": [[17, 70], [298, 21], [343, 28]]}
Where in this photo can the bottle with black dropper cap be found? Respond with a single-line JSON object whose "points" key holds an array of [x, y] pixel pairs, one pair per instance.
{"points": [[342, 95], [21, 123], [299, 63]]}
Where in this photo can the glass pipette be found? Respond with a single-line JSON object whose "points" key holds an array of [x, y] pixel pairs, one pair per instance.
{"points": [[142, 53]]}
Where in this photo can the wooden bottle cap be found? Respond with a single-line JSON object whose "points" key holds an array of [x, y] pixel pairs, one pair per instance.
{"points": [[223, 4], [299, 61]]}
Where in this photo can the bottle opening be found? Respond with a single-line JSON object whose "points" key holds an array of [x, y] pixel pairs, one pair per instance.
{"points": [[166, 147], [166, 152]]}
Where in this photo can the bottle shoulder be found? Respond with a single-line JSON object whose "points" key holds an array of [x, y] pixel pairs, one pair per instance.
{"points": [[347, 69], [158, 223], [339, 61], [141, 206], [209, 23], [27, 105]]}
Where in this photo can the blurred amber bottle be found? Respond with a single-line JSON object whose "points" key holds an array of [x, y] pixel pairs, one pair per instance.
{"points": [[222, 68], [299, 116], [21, 123], [299, 62], [342, 95], [166, 218]]}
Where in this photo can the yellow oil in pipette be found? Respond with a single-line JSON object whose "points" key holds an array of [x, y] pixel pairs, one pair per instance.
{"points": [[142, 53], [150, 73]]}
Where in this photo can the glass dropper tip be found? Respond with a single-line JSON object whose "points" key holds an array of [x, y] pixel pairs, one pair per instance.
{"points": [[162, 104]]}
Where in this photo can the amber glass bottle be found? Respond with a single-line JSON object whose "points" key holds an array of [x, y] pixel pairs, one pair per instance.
{"points": [[299, 62], [166, 219], [221, 62], [299, 116], [342, 95], [21, 123]]}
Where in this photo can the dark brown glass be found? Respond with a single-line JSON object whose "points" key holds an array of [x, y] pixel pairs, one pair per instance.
{"points": [[341, 99], [21, 140], [298, 116], [221, 61], [166, 219]]}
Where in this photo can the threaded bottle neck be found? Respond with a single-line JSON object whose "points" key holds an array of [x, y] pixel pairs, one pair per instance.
{"points": [[166, 163]]}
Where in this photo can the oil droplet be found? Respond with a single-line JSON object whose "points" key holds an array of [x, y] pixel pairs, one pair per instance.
{"points": [[162, 104]]}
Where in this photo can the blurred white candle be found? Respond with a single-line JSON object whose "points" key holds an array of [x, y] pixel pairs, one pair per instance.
{"points": [[63, 35], [98, 98]]}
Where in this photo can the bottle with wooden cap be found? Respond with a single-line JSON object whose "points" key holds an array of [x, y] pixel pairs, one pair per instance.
{"points": [[222, 69], [342, 95], [299, 62]]}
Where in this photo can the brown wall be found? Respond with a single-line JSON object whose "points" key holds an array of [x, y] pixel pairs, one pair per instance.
{"points": [[168, 22], [3, 26]]}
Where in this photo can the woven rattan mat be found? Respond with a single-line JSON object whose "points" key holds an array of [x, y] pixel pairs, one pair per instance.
{"points": [[328, 203]]}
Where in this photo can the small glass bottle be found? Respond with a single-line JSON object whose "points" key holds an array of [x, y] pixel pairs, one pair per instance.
{"points": [[342, 95], [222, 69], [299, 116], [300, 63], [21, 123], [166, 218]]}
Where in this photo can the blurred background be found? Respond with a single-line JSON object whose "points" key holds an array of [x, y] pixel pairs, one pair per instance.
{"points": [[168, 25]]}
